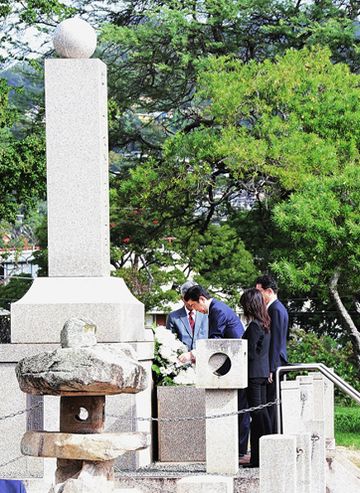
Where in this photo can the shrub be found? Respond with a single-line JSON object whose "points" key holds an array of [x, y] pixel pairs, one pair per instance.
{"points": [[347, 419], [307, 347]]}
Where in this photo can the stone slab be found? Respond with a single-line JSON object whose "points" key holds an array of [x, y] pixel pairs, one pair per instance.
{"points": [[181, 441], [80, 446], [278, 464], [77, 168], [39, 316], [212, 369], [222, 443], [205, 484], [95, 370]]}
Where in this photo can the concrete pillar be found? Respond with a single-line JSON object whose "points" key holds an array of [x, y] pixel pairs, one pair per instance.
{"points": [[303, 463], [222, 441], [205, 484], [291, 406], [77, 167], [278, 464]]}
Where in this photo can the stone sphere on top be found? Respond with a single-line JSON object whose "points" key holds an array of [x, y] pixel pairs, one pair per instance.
{"points": [[74, 38]]}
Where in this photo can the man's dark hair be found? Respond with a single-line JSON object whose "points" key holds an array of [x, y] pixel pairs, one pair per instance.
{"points": [[195, 292], [267, 282]]}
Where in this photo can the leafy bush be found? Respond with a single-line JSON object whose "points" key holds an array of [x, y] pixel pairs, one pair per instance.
{"points": [[347, 419], [307, 347]]}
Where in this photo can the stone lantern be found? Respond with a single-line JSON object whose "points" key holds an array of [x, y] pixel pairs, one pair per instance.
{"points": [[82, 373]]}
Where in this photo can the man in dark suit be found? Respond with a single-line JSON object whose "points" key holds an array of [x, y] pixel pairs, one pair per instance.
{"points": [[278, 336], [188, 325], [223, 321], [223, 324]]}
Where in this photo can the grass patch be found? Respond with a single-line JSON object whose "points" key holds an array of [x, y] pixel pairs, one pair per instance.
{"points": [[347, 426], [351, 440]]}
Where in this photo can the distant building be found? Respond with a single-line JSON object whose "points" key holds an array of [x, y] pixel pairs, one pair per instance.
{"points": [[14, 262]]}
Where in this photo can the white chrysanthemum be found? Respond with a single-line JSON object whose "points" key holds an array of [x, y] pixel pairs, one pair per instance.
{"points": [[166, 338], [185, 377]]}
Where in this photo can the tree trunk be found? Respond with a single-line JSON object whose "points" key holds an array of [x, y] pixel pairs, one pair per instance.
{"points": [[345, 317]]}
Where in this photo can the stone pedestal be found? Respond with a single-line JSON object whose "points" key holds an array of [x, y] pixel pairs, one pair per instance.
{"points": [[221, 368], [277, 464], [182, 441], [222, 440], [40, 315]]}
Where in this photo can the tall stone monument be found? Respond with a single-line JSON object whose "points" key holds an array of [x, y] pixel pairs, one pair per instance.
{"points": [[79, 283]]}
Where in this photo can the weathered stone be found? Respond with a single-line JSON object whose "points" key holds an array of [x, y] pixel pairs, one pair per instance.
{"points": [[78, 332], [84, 485], [93, 447], [76, 371]]}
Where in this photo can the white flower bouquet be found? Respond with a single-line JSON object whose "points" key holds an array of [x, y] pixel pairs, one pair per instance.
{"points": [[167, 369]]}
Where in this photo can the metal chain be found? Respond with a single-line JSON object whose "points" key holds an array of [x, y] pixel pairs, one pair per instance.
{"points": [[197, 418], [18, 413], [11, 461]]}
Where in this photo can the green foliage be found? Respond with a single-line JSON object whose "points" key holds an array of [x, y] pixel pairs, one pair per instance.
{"points": [[309, 348], [347, 419], [14, 290], [151, 286]]}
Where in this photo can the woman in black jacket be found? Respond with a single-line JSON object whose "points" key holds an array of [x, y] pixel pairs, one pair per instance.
{"points": [[258, 337]]}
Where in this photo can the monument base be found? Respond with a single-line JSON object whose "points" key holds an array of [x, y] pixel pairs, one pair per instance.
{"points": [[39, 316]]}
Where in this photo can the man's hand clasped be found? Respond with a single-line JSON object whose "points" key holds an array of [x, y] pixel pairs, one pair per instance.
{"points": [[188, 357]]}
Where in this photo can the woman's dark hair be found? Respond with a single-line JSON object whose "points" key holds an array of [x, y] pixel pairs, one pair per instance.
{"points": [[254, 307]]}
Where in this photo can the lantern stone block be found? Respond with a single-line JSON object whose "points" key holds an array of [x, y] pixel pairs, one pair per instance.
{"points": [[221, 364]]}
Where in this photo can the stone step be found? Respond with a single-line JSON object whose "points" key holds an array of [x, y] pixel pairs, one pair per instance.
{"points": [[79, 446], [161, 477]]}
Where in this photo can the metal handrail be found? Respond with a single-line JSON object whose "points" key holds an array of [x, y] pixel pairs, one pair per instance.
{"points": [[332, 376]]}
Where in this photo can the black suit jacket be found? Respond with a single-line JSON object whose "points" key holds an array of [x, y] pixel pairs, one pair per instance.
{"points": [[258, 350], [278, 332]]}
